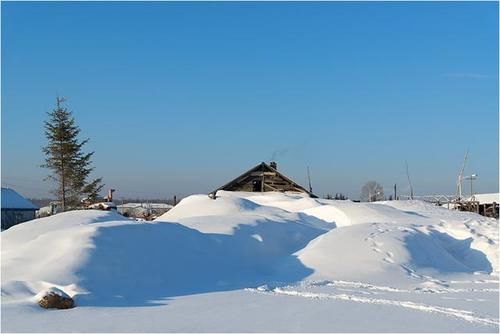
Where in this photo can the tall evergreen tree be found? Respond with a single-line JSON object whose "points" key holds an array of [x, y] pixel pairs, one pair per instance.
{"points": [[70, 167]]}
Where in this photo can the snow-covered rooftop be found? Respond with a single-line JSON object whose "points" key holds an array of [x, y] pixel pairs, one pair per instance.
{"points": [[13, 200], [487, 198]]}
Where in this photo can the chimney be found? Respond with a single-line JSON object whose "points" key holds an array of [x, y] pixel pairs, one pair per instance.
{"points": [[109, 198], [273, 164]]}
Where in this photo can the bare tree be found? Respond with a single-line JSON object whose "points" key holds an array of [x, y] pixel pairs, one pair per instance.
{"points": [[340, 196], [372, 192]]}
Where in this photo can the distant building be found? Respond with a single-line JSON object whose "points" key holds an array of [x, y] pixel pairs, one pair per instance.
{"points": [[15, 208], [263, 178], [485, 198], [49, 210], [143, 210], [102, 206], [485, 204]]}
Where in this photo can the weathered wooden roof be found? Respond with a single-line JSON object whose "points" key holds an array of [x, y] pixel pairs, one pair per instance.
{"points": [[262, 168]]}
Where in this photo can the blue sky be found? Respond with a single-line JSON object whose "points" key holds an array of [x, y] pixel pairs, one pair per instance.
{"points": [[178, 98]]}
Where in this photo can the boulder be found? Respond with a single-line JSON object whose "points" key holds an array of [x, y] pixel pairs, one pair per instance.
{"points": [[55, 298]]}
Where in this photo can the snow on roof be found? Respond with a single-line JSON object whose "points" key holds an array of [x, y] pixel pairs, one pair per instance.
{"points": [[12, 200], [487, 198], [103, 205]]}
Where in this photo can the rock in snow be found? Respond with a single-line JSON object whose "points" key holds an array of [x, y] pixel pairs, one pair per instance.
{"points": [[55, 298], [400, 266]]}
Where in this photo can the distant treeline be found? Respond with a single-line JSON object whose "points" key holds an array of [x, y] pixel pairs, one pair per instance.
{"points": [[119, 201], [41, 202]]}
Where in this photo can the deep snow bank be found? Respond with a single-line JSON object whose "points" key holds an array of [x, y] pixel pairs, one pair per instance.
{"points": [[386, 253], [229, 211], [47, 252], [391, 241], [241, 240], [101, 258]]}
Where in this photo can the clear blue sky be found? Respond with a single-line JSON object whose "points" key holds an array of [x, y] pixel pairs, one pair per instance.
{"points": [[178, 98]]}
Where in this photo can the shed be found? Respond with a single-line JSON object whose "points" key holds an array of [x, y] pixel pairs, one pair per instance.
{"points": [[263, 178], [15, 208], [143, 210], [484, 204], [485, 198]]}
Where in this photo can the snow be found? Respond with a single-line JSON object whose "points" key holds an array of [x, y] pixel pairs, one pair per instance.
{"points": [[13, 200], [51, 291], [486, 198], [275, 262], [103, 206], [145, 205]]}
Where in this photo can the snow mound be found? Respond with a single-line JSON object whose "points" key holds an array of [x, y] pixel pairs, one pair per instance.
{"points": [[47, 252], [202, 205], [330, 213], [101, 258], [241, 240], [386, 253], [228, 213]]}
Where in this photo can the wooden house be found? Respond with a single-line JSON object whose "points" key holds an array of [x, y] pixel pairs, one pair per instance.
{"points": [[263, 178]]}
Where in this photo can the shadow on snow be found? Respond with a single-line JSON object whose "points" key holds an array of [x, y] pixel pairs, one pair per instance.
{"points": [[144, 264], [441, 252]]}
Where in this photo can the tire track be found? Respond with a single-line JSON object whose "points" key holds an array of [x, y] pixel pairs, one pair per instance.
{"points": [[461, 314]]}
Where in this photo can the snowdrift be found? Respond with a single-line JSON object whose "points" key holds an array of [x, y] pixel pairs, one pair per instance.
{"points": [[386, 254], [241, 240], [103, 259]]}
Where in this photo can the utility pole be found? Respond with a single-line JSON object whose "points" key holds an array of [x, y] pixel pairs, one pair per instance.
{"points": [[461, 176], [395, 193], [309, 179], [409, 181]]}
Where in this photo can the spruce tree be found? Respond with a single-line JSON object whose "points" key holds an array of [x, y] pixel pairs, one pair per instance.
{"points": [[70, 167]]}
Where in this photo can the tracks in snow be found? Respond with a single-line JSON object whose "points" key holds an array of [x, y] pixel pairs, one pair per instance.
{"points": [[442, 289], [422, 307], [465, 315]]}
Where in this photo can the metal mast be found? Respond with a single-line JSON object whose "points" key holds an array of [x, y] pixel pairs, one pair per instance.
{"points": [[309, 179], [461, 176], [409, 181]]}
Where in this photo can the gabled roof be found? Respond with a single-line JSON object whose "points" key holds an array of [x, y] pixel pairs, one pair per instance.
{"points": [[12, 200], [262, 167]]}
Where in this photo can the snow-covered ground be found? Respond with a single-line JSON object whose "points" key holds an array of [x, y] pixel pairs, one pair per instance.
{"points": [[249, 262]]}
